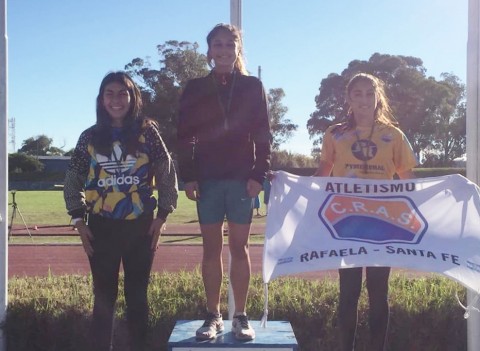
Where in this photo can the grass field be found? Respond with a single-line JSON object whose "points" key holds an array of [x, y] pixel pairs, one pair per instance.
{"points": [[48, 208]]}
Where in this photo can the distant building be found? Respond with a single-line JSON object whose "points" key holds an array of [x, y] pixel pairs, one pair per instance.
{"points": [[51, 178], [54, 164]]}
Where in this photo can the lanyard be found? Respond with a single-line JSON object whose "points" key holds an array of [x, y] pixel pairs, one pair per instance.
{"points": [[225, 109], [364, 145]]}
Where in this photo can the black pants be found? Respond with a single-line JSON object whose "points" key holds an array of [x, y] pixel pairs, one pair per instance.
{"points": [[116, 241], [350, 287]]}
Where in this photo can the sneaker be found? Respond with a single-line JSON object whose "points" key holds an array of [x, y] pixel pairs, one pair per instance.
{"points": [[211, 327], [241, 328]]}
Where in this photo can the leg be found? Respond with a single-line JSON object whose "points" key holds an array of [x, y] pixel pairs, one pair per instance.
{"points": [[240, 270], [240, 265], [211, 214], [105, 264], [239, 215], [212, 264], [137, 264], [212, 274], [377, 286], [350, 287]]}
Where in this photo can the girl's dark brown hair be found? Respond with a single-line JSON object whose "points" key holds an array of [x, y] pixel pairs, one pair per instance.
{"points": [[102, 136], [237, 35]]}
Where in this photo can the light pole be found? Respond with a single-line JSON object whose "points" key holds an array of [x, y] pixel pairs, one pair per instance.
{"points": [[236, 20], [236, 13], [473, 137], [3, 171]]}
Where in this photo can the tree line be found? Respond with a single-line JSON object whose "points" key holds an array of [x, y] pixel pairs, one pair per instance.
{"points": [[431, 112]]}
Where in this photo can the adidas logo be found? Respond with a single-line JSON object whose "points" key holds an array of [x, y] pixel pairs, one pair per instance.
{"points": [[121, 180]]}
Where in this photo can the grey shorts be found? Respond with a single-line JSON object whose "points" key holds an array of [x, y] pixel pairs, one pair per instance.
{"points": [[224, 198]]}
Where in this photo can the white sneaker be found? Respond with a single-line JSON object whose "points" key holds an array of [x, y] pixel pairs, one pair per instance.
{"points": [[211, 327], [241, 328]]}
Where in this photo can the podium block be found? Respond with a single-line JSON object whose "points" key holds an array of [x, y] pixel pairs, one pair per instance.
{"points": [[277, 336]]}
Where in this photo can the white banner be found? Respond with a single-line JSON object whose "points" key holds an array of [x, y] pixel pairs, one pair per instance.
{"points": [[321, 223]]}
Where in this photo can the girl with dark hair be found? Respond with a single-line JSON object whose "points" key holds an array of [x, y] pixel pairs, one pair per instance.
{"points": [[110, 182], [224, 155], [367, 145]]}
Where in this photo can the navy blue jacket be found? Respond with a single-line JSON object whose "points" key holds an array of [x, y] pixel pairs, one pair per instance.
{"points": [[224, 133]]}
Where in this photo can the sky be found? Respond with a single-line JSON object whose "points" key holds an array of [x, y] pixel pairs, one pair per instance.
{"points": [[59, 51]]}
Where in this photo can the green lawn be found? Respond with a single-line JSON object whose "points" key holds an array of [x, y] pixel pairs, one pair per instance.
{"points": [[48, 208], [42, 208]]}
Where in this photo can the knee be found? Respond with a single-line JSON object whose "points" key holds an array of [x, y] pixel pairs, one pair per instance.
{"points": [[378, 298], [348, 305], [379, 306], [137, 303], [136, 293], [240, 252], [348, 301], [106, 294], [212, 258]]}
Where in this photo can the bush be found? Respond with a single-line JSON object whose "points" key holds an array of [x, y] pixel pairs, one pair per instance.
{"points": [[21, 163], [437, 172]]}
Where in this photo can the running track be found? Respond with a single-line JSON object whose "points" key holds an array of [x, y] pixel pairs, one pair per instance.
{"points": [[40, 260]]}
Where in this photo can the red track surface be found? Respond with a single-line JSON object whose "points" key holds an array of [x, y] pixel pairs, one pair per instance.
{"points": [[36, 260], [41, 260]]}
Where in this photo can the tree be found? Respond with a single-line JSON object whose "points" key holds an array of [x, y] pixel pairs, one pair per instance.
{"points": [[69, 152], [450, 119], [21, 163], [284, 159], [161, 87], [419, 103], [40, 145], [282, 128]]}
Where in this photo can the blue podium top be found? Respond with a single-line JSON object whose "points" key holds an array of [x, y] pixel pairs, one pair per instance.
{"points": [[277, 335]]}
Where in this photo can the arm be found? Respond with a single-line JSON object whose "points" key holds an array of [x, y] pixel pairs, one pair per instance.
{"points": [[74, 193], [324, 169], [167, 186], [404, 158], [75, 178], [163, 170], [261, 135], [74, 190], [166, 181], [408, 174], [186, 135]]}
